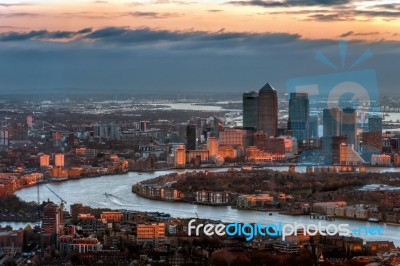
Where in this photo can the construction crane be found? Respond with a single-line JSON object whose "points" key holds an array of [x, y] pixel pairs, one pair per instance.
{"points": [[62, 200], [39, 216]]}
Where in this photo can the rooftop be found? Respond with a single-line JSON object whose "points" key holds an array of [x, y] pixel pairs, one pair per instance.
{"points": [[267, 88]]}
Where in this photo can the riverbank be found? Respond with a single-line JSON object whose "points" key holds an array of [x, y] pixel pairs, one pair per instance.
{"points": [[135, 191], [13, 209], [17, 218], [251, 190], [267, 165], [90, 193]]}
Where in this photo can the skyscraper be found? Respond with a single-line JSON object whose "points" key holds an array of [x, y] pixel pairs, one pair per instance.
{"points": [[349, 125], [332, 121], [299, 115], [372, 140], [314, 127], [332, 127], [250, 109], [52, 222], [268, 110], [375, 123], [212, 146], [191, 137], [180, 156], [19, 131], [336, 143]]}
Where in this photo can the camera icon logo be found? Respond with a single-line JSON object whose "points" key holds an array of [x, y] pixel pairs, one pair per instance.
{"points": [[341, 102]]}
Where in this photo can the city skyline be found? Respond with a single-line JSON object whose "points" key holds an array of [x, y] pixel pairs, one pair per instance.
{"points": [[131, 129], [164, 167]]}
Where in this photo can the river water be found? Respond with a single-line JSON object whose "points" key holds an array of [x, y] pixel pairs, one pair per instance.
{"points": [[90, 191], [17, 225]]}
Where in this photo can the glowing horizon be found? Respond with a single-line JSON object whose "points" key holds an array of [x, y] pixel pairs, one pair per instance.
{"points": [[355, 20]]}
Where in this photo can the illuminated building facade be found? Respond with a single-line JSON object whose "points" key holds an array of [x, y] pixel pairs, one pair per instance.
{"points": [[268, 110], [180, 156], [59, 160], [44, 160]]}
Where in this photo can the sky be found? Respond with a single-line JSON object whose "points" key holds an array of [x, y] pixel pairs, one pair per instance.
{"points": [[191, 46]]}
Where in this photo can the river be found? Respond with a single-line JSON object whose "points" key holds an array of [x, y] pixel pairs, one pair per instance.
{"points": [[90, 191], [17, 225]]}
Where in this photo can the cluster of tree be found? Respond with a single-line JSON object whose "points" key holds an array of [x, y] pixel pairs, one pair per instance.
{"points": [[229, 256], [14, 204], [300, 184]]}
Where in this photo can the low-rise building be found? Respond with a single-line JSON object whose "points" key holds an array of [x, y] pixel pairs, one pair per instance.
{"points": [[212, 197], [153, 234], [380, 246], [381, 159], [84, 245], [255, 154], [11, 241], [111, 216], [254, 201], [286, 247], [92, 226]]}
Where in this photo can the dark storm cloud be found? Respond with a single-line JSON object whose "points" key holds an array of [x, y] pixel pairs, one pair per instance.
{"points": [[350, 15], [290, 3], [329, 17], [188, 39], [126, 35], [16, 36], [144, 60], [339, 10], [352, 33], [59, 35], [347, 34], [41, 35], [296, 12], [85, 30], [152, 14], [380, 13]]}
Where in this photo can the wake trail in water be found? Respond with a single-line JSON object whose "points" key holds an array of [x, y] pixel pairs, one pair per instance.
{"points": [[118, 201], [122, 202]]}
